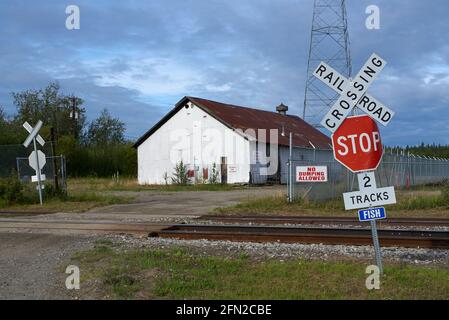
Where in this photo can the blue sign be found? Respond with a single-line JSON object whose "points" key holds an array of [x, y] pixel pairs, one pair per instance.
{"points": [[372, 214]]}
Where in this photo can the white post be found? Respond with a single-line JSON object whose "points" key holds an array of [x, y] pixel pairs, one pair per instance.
{"points": [[38, 172], [290, 168]]}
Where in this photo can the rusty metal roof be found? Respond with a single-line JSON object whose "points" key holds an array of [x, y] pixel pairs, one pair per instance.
{"points": [[237, 117]]}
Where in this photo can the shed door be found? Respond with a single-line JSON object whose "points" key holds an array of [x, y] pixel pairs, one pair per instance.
{"points": [[224, 171]]}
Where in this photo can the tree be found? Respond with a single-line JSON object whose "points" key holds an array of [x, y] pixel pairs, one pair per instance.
{"points": [[50, 106], [106, 130], [2, 115], [11, 132]]}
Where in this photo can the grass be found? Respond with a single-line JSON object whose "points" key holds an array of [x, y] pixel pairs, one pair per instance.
{"points": [[131, 184], [180, 274], [72, 203], [76, 200], [434, 201], [87, 193]]}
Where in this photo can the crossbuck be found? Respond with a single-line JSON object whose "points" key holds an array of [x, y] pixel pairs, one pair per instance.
{"points": [[353, 93], [33, 134]]}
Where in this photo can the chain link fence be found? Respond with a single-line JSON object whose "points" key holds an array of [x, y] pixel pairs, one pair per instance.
{"points": [[396, 169], [14, 161]]}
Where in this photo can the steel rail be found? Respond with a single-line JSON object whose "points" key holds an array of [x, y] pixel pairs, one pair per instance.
{"points": [[343, 236], [438, 222], [141, 228]]}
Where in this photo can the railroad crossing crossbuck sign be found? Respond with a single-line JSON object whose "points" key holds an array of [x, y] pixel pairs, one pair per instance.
{"points": [[37, 158], [356, 140], [353, 93]]}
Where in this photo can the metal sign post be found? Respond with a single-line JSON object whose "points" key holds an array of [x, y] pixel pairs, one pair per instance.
{"points": [[290, 168], [38, 172], [376, 244], [34, 160], [367, 184]]}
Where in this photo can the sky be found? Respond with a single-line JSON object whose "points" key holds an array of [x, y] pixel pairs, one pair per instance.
{"points": [[138, 58]]}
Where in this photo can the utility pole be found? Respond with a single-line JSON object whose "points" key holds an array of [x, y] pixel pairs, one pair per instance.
{"points": [[55, 162], [74, 116]]}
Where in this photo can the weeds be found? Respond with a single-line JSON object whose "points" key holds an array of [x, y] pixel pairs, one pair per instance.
{"points": [[407, 201], [11, 190], [183, 274]]}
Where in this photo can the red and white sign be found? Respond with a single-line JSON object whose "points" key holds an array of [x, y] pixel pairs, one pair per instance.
{"points": [[357, 144], [311, 174]]}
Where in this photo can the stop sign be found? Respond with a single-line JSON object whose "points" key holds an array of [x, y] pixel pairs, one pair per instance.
{"points": [[357, 144]]}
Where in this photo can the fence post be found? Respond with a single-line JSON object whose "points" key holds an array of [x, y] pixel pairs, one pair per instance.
{"points": [[18, 169], [290, 168]]}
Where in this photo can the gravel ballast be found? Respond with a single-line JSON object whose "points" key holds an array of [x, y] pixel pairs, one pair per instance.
{"points": [[283, 251]]}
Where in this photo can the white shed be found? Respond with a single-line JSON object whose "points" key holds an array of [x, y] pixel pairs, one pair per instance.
{"points": [[210, 136]]}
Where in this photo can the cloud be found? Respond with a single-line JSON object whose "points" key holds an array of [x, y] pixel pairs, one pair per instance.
{"points": [[138, 58]]}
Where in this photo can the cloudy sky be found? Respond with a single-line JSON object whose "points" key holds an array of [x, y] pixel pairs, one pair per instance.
{"points": [[138, 58]]}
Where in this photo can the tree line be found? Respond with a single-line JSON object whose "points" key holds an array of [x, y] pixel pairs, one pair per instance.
{"points": [[96, 148], [424, 150]]}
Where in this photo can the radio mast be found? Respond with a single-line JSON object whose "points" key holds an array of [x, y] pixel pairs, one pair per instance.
{"points": [[329, 42]]}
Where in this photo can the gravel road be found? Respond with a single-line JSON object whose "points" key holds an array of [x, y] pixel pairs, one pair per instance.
{"points": [[31, 265]]}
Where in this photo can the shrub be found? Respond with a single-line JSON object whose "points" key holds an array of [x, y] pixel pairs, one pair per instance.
{"points": [[51, 192], [180, 174], [445, 192], [213, 179], [11, 189]]}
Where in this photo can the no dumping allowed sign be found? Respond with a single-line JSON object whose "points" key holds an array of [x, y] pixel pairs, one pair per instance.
{"points": [[311, 174]]}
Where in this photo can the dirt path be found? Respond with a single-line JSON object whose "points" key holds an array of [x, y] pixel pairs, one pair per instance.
{"points": [[149, 205]]}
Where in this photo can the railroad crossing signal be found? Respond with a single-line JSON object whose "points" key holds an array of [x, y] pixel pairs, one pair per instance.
{"points": [[352, 92], [37, 158], [357, 144], [34, 133], [377, 110], [356, 140]]}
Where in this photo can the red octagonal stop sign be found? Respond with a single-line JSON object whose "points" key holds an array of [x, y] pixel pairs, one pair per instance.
{"points": [[357, 144]]}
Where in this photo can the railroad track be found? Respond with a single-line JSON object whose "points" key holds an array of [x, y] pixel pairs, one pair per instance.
{"points": [[259, 219], [137, 228], [344, 236]]}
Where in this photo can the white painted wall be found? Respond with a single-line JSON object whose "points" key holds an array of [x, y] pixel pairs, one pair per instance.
{"points": [[197, 138]]}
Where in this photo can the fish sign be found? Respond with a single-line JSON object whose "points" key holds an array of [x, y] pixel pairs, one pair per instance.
{"points": [[372, 214]]}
